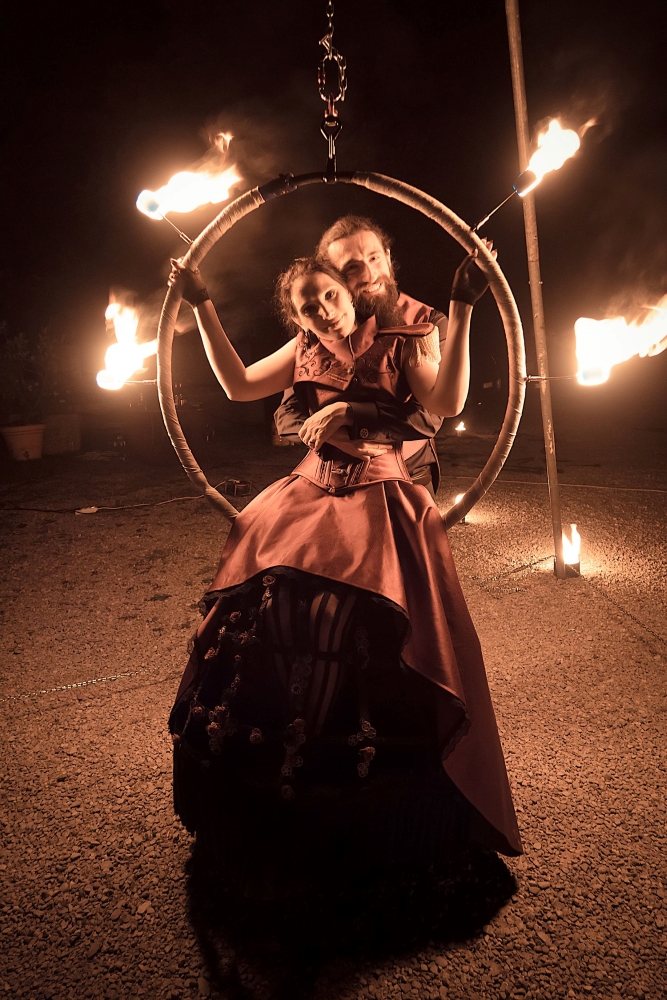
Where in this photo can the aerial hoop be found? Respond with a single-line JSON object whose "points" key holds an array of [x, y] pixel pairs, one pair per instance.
{"points": [[421, 202]]}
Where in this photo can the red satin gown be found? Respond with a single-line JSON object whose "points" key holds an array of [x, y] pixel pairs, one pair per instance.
{"points": [[335, 700]]}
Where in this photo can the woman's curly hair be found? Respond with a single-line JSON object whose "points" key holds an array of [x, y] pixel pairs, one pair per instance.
{"points": [[300, 268]]}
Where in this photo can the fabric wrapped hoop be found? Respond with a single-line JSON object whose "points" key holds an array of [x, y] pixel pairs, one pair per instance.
{"points": [[413, 198]]}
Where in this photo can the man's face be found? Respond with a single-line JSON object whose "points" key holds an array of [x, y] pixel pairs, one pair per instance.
{"points": [[368, 272]]}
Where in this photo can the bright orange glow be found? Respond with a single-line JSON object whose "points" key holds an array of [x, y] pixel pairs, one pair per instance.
{"points": [[209, 182], [126, 356], [460, 427], [601, 344], [571, 547], [459, 496], [555, 145]]}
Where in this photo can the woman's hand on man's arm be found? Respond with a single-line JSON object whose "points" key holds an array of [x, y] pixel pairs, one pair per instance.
{"points": [[318, 428], [326, 426]]}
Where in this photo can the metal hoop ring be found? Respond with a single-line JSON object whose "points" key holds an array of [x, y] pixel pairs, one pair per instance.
{"points": [[421, 202]]}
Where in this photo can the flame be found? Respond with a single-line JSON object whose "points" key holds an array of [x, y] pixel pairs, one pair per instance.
{"points": [[222, 140], [572, 547], [554, 146], [126, 356], [601, 344], [209, 182], [460, 426]]}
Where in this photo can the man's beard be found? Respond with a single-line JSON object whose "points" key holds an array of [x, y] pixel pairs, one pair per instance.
{"points": [[382, 305]]}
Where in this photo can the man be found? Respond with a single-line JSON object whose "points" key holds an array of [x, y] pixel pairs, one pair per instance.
{"points": [[361, 251]]}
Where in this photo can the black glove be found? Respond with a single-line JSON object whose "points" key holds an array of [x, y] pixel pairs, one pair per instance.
{"points": [[469, 282], [193, 289]]}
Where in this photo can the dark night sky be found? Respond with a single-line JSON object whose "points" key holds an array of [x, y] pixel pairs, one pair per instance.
{"points": [[99, 105]]}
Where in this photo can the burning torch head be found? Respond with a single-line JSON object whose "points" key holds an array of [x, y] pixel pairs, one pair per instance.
{"points": [[149, 204], [208, 181], [555, 145], [524, 183]]}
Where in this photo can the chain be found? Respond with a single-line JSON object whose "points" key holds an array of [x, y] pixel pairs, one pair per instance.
{"points": [[72, 686], [331, 65]]}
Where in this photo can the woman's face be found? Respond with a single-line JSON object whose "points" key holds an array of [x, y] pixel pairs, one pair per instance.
{"points": [[323, 306]]}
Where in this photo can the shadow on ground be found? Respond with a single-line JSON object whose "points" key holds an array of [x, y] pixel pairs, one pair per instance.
{"points": [[275, 949]]}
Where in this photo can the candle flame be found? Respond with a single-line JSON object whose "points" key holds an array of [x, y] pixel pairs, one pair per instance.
{"points": [[209, 182], [571, 547], [601, 344], [460, 426], [126, 356], [555, 145]]}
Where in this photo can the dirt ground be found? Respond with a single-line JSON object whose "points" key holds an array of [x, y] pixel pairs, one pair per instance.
{"points": [[105, 895]]}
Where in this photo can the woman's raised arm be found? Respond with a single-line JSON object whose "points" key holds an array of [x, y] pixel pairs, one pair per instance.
{"points": [[443, 388], [271, 374]]}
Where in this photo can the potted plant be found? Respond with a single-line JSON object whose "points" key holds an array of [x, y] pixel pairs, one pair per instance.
{"points": [[20, 396]]}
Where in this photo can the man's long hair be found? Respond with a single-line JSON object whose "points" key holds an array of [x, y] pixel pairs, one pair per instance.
{"points": [[346, 226], [383, 306]]}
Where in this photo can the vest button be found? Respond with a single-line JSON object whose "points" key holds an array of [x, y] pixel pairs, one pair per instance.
{"points": [[363, 433]]}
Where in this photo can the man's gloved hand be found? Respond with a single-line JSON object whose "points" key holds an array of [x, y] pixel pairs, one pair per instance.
{"points": [[469, 282], [191, 283]]}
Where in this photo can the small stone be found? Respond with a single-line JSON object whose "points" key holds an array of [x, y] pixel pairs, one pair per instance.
{"points": [[144, 907], [93, 949], [203, 987], [116, 913]]}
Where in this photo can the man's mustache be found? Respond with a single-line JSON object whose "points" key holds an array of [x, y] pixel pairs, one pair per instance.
{"points": [[389, 289]]}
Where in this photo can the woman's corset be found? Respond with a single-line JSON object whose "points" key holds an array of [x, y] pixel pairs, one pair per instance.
{"points": [[341, 473]]}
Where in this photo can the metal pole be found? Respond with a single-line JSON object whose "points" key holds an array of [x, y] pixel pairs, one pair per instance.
{"points": [[532, 246]]}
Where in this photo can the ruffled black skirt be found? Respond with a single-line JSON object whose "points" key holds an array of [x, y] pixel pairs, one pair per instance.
{"points": [[305, 751]]}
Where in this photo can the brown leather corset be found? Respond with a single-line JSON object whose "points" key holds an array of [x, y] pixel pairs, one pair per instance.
{"points": [[339, 475]]}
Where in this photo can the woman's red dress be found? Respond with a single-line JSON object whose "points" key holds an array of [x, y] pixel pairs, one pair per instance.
{"points": [[271, 726]]}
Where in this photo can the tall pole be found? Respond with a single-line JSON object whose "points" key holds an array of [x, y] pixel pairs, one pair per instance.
{"points": [[532, 246]]}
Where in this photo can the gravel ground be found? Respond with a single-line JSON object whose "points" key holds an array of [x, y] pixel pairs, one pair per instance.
{"points": [[104, 894]]}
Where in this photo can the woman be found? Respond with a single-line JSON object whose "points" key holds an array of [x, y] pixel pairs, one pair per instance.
{"points": [[335, 703]]}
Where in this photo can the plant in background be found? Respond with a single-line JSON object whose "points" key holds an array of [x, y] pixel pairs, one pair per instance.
{"points": [[59, 364], [21, 382]]}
